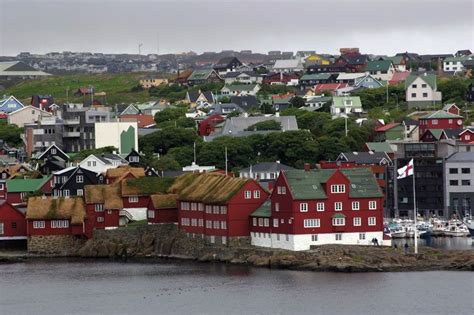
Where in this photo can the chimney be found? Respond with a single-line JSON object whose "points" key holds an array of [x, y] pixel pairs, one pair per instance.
{"points": [[271, 184], [307, 167]]}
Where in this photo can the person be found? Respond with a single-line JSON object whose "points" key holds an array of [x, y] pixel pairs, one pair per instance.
{"points": [[376, 242], [395, 246], [406, 248]]}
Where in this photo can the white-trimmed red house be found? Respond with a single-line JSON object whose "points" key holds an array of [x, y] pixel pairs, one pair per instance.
{"points": [[217, 207], [467, 135], [103, 206], [318, 207], [12, 223], [440, 120], [163, 208]]}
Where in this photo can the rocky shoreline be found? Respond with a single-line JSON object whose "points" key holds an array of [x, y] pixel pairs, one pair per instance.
{"points": [[165, 241]]}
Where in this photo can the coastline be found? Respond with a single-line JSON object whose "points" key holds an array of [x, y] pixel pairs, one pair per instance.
{"points": [[156, 242]]}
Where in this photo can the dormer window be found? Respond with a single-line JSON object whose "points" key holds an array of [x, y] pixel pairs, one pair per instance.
{"points": [[338, 189]]}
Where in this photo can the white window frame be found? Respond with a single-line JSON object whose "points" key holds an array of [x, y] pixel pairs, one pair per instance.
{"points": [[256, 194], [133, 199], [80, 192], [320, 206], [338, 206], [338, 236], [372, 221], [372, 205], [312, 223], [303, 207], [39, 224], [357, 221], [277, 206], [151, 214], [79, 179], [338, 189], [275, 222], [99, 207], [248, 194], [314, 237], [362, 236], [355, 205], [2, 228], [338, 221], [254, 221], [100, 219]]}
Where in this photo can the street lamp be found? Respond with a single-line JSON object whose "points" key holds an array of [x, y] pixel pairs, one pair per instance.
{"points": [[396, 95]]}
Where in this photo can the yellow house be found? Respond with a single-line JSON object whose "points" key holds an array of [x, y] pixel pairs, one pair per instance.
{"points": [[150, 82], [317, 60]]}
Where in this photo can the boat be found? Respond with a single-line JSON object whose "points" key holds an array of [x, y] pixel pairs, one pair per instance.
{"points": [[456, 228], [397, 231], [471, 229], [438, 227]]}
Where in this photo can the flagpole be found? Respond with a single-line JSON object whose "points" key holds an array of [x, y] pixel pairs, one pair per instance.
{"points": [[414, 208]]}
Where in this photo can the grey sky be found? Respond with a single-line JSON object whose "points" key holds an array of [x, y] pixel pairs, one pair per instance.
{"points": [[376, 26]]}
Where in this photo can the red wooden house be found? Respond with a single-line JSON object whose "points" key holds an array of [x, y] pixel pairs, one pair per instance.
{"points": [[320, 207], [54, 225], [467, 135], [12, 223], [117, 174], [440, 120], [452, 108], [163, 208], [215, 206], [208, 125], [103, 206], [18, 189], [279, 78]]}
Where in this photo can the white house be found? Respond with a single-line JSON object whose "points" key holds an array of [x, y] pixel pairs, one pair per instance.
{"points": [[345, 105], [454, 64], [288, 65], [421, 91], [101, 163], [27, 115], [240, 89], [242, 77]]}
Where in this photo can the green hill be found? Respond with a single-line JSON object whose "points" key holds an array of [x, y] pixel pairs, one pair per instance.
{"points": [[116, 86]]}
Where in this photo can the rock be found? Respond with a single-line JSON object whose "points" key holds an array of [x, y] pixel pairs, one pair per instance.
{"points": [[148, 240]]}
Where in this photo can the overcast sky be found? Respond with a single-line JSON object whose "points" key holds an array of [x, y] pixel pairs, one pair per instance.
{"points": [[375, 26]]}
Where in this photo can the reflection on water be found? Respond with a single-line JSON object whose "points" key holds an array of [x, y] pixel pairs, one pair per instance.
{"points": [[168, 287], [461, 243]]}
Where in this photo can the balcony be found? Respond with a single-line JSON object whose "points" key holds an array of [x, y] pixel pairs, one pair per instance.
{"points": [[71, 134], [72, 121]]}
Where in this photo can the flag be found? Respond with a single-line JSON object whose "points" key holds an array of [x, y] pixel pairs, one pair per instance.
{"points": [[406, 171]]}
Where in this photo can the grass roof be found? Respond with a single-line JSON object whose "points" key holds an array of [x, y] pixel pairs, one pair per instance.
{"points": [[109, 195], [122, 170], [164, 201], [49, 208], [211, 188], [146, 185]]}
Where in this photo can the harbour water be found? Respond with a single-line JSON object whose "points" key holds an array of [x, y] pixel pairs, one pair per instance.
{"points": [[449, 243], [52, 286]]}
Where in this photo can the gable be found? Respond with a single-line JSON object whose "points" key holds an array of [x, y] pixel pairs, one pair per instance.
{"points": [[10, 104]]}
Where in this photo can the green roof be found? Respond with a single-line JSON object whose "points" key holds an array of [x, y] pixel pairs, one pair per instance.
{"points": [[440, 114], [436, 133], [379, 147], [25, 185], [309, 185], [200, 74], [338, 101], [396, 60], [240, 87], [430, 79], [316, 76], [378, 65], [263, 211], [456, 59], [339, 216]]}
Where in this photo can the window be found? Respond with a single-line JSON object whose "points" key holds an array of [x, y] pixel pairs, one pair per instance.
{"points": [[338, 236], [453, 182], [338, 189], [223, 209], [223, 225], [100, 219], [79, 179], [311, 223], [466, 170], [208, 224], [287, 237], [133, 199], [260, 221], [320, 206], [200, 207], [151, 214], [2, 230], [372, 205], [13, 225], [277, 206], [53, 151], [453, 171], [193, 222], [303, 207], [275, 222], [99, 207], [215, 209], [135, 159], [466, 182], [338, 221], [278, 237], [254, 221], [281, 190], [357, 221], [338, 206], [184, 205], [248, 194], [208, 209], [66, 193], [193, 206], [38, 224], [372, 221], [215, 224], [413, 86], [355, 205], [413, 94], [314, 238], [425, 94], [109, 211], [80, 192], [57, 224], [256, 194], [361, 236], [201, 222], [266, 222], [423, 85], [434, 121]]}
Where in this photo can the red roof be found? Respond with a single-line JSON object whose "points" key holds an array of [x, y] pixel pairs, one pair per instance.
{"points": [[387, 127], [398, 77], [144, 121], [329, 86]]}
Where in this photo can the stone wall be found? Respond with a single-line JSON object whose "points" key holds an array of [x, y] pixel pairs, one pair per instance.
{"points": [[64, 245]]}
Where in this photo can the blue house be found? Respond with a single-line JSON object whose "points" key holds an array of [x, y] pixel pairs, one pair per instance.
{"points": [[368, 82], [10, 104]]}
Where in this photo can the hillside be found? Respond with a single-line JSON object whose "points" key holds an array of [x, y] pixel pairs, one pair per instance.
{"points": [[116, 86]]}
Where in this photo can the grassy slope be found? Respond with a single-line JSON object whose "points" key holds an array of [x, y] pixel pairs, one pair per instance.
{"points": [[117, 87]]}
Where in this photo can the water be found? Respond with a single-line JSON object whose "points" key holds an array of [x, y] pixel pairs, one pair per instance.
{"points": [[170, 287], [450, 243]]}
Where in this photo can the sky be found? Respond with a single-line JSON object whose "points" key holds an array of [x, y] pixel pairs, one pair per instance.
{"points": [[173, 26]]}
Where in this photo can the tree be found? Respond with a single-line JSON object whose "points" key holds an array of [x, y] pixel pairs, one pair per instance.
{"points": [[11, 134], [165, 163], [265, 125], [163, 140], [183, 155], [453, 89], [85, 153], [169, 114], [297, 102], [239, 152]]}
